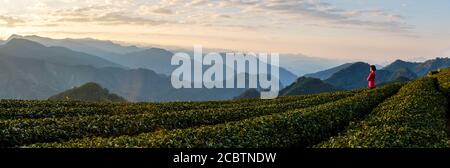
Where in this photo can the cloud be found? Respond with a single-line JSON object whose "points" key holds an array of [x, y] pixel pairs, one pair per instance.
{"points": [[163, 11], [232, 13], [104, 15], [316, 12], [222, 16], [377, 13], [198, 2], [10, 21], [121, 18], [115, 18]]}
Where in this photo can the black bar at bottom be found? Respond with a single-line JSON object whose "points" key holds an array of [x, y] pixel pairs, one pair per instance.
{"points": [[224, 157]]}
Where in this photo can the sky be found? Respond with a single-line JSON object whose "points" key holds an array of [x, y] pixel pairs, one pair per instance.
{"points": [[376, 31]]}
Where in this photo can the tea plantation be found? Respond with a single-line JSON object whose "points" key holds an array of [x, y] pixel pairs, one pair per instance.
{"points": [[401, 115]]}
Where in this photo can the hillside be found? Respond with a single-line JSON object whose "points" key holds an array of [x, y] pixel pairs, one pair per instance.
{"points": [[306, 85], [250, 93], [397, 80], [91, 92]]}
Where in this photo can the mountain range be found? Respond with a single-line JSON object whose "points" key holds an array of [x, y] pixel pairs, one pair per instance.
{"points": [[31, 70], [131, 57], [58, 55], [27, 72], [419, 68], [297, 64]]}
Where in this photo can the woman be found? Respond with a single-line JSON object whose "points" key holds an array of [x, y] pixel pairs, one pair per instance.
{"points": [[371, 77]]}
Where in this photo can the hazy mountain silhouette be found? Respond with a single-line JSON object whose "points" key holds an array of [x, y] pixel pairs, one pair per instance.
{"points": [[28, 49], [327, 73], [300, 64], [156, 59], [91, 92], [153, 58], [87, 45], [26, 78], [32, 71]]}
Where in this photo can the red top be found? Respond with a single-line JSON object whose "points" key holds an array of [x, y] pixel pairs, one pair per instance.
{"points": [[371, 79]]}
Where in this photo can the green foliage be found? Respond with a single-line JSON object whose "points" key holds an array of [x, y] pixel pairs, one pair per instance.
{"points": [[301, 127], [22, 109], [415, 117], [23, 131], [444, 80]]}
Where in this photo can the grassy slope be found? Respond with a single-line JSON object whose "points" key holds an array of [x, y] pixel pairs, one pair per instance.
{"points": [[415, 117]]}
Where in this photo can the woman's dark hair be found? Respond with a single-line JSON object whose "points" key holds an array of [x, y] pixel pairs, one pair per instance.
{"points": [[373, 68]]}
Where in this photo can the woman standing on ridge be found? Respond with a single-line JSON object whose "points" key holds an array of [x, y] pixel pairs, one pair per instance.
{"points": [[371, 77]]}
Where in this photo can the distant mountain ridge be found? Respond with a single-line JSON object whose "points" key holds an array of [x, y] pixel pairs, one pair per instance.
{"points": [[329, 72], [300, 64], [86, 45], [59, 55], [419, 68], [153, 58]]}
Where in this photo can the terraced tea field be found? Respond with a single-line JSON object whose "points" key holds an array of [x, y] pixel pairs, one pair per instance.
{"points": [[396, 115]]}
